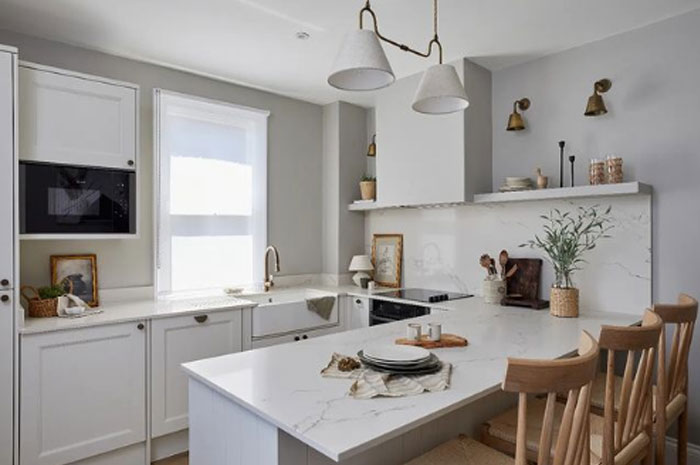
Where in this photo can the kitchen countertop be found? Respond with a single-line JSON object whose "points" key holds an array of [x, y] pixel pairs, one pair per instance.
{"points": [[148, 309], [282, 384]]}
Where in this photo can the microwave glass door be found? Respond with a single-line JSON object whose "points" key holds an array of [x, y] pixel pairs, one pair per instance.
{"points": [[62, 199]]}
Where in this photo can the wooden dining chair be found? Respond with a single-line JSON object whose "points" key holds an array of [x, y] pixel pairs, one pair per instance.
{"points": [[566, 436], [614, 439], [672, 376]]}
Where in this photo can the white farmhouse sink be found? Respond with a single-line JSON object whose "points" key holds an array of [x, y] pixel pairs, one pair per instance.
{"points": [[286, 312]]}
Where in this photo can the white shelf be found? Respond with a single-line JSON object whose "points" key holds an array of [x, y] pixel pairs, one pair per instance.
{"points": [[563, 193]]}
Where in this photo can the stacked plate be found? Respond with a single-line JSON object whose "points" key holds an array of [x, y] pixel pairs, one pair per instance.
{"points": [[516, 184], [400, 360]]}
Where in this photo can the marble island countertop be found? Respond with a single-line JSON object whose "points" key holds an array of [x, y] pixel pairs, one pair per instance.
{"points": [[282, 384]]}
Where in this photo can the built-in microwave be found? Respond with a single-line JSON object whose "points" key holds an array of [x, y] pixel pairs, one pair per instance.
{"points": [[67, 199]]}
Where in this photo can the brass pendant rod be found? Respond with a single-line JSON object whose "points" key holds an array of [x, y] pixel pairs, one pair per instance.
{"points": [[434, 41]]}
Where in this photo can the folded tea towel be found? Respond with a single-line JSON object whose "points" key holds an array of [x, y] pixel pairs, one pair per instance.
{"points": [[322, 306], [369, 383], [72, 306]]}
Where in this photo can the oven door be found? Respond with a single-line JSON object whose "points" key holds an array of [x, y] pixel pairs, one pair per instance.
{"points": [[64, 199], [384, 311]]}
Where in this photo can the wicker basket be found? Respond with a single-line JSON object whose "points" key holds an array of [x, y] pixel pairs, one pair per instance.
{"points": [[563, 302], [36, 306]]}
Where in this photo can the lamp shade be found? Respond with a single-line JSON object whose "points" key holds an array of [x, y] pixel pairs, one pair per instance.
{"points": [[361, 63], [440, 91], [361, 263]]}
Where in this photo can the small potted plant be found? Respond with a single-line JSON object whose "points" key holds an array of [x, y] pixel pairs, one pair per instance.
{"points": [[43, 302], [368, 187], [567, 237]]}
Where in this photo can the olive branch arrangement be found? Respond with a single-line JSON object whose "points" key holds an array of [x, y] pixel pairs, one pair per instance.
{"points": [[568, 236]]}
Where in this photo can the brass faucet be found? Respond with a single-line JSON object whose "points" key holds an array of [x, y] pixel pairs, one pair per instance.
{"points": [[268, 276]]}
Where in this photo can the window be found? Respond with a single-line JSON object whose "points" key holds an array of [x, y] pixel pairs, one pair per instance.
{"points": [[211, 203]]}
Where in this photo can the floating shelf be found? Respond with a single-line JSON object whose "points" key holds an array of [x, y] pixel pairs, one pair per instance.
{"points": [[563, 193]]}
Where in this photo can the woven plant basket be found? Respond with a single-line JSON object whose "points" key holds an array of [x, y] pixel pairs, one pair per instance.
{"points": [[563, 302], [36, 306]]}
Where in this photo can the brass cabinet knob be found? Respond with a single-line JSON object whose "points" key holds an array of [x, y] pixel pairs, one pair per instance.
{"points": [[201, 318], [5, 298]]}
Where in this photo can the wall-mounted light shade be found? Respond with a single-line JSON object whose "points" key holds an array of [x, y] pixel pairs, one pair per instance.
{"points": [[361, 63], [596, 105], [515, 120], [440, 91], [372, 149]]}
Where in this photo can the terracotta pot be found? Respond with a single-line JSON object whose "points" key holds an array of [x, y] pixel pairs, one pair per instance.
{"points": [[368, 189], [563, 302]]}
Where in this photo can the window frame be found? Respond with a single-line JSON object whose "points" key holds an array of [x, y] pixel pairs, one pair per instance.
{"points": [[240, 115]]}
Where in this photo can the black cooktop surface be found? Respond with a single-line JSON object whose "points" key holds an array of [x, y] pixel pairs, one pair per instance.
{"points": [[424, 295]]}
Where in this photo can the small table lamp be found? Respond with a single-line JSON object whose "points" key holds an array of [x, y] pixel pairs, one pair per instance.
{"points": [[362, 264]]}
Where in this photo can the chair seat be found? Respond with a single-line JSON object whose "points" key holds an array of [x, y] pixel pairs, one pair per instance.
{"points": [[462, 450], [598, 392], [500, 432]]}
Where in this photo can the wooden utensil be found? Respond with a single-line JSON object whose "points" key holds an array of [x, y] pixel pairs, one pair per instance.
{"points": [[503, 261], [485, 261]]}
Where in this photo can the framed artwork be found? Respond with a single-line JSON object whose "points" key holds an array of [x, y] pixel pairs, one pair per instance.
{"points": [[387, 250], [78, 270]]}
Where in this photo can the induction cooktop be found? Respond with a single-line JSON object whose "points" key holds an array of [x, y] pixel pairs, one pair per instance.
{"points": [[424, 295]]}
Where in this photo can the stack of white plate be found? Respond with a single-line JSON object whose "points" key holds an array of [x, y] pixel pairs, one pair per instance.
{"points": [[515, 183], [400, 360]]}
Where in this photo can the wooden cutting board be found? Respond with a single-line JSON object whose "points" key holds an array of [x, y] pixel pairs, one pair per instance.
{"points": [[447, 340]]}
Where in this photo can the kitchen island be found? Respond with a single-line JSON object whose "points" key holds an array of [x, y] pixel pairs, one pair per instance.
{"points": [[271, 406]]}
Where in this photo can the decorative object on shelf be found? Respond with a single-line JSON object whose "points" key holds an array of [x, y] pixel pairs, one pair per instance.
{"points": [[446, 341], [515, 120], [387, 250], [361, 64], [523, 286], [596, 172], [561, 163], [368, 187], [42, 302], [542, 181], [568, 236], [362, 265], [572, 159], [596, 105], [614, 168], [78, 270], [515, 183], [372, 149]]}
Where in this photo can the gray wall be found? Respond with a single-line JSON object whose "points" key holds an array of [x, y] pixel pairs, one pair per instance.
{"points": [[294, 167], [652, 123]]}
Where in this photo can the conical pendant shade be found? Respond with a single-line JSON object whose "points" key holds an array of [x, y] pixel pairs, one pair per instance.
{"points": [[440, 91], [361, 63]]}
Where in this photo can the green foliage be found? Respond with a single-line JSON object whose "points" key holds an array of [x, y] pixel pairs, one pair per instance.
{"points": [[51, 292], [567, 237], [368, 178]]}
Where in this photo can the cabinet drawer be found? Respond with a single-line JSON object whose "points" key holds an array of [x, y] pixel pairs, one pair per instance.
{"points": [[82, 392], [179, 340], [289, 315], [294, 337]]}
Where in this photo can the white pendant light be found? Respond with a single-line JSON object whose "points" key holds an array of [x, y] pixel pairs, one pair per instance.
{"points": [[361, 63], [440, 91]]}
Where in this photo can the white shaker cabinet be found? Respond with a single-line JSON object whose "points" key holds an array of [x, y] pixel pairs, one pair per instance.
{"points": [[358, 312], [178, 340], [83, 392], [76, 119], [8, 74]]}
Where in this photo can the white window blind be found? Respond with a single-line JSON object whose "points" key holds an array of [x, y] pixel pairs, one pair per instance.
{"points": [[211, 197]]}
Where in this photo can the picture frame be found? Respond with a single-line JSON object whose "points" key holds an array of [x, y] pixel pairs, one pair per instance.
{"points": [[387, 253], [81, 271]]}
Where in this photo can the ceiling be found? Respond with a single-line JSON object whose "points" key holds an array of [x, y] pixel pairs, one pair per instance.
{"points": [[253, 42]]}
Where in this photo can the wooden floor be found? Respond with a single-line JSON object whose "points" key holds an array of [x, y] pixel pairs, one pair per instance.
{"points": [[180, 459]]}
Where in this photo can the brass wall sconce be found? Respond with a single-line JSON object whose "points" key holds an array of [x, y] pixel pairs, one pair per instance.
{"points": [[596, 105], [515, 121], [372, 149]]}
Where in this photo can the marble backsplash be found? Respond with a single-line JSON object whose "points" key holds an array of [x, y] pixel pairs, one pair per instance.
{"points": [[442, 247]]}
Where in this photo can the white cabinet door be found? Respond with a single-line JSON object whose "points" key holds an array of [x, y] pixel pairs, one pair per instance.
{"points": [[75, 119], [7, 169], [82, 393], [6, 377], [179, 340], [358, 312]]}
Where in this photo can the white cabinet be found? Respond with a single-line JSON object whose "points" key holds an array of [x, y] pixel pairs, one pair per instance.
{"points": [[294, 337], [179, 340], [358, 312], [8, 67], [76, 119], [83, 392]]}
